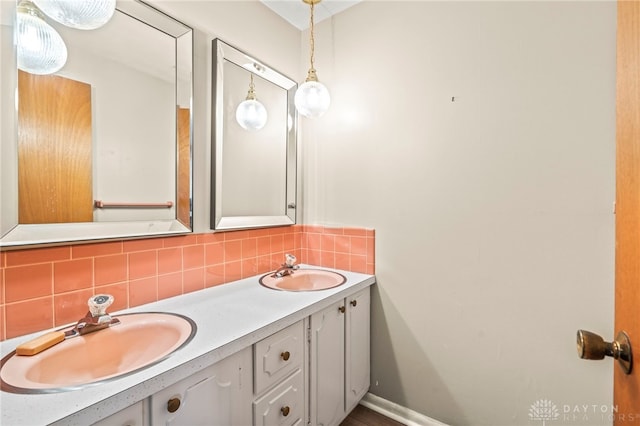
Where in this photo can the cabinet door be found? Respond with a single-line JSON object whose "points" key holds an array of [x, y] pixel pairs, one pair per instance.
{"points": [[357, 342], [219, 395], [327, 365], [130, 416], [277, 356]]}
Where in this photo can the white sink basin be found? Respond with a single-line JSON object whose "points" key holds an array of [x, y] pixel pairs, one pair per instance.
{"points": [[304, 280], [139, 341]]}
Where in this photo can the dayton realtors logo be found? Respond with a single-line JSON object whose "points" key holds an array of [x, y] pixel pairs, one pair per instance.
{"points": [[543, 410]]}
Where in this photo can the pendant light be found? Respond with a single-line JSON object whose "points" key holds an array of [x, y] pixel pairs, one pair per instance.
{"points": [[251, 115], [312, 97], [41, 50], [79, 14]]}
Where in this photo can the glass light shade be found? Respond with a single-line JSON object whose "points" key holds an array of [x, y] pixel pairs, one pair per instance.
{"points": [[41, 50], [79, 14], [251, 115], [312, 99]]}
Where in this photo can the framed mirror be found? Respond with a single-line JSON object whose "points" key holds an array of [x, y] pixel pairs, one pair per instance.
{"points": [[102, 148], [254, 176]]}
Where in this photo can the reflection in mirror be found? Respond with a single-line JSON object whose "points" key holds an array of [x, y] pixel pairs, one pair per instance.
{"points": [[102, 148], [254, 180]]}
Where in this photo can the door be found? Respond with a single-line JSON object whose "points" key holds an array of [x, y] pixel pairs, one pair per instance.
{"points": [[627, 387], [357, 347], [54, 160]]}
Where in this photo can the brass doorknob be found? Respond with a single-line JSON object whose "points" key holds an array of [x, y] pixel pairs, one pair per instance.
{"points": [[285, 355], [354, 303], [342, 309], [592, 346], [285, 410], [173, 404]]}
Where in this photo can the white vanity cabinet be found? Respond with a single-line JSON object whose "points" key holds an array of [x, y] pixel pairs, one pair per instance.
{"points": [[134, 415], [279, 378], [339, 358], [219, 395]]}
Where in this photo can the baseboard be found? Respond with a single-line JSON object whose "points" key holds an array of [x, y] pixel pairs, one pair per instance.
{"points": [[397, 412]]}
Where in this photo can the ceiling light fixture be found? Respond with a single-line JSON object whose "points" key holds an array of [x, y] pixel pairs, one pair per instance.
{"points": [[41, 50], [79, 14], [251, 115], [312, 97]]}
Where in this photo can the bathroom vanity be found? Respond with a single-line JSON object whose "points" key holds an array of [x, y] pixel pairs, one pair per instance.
{"points": [[259, 357]]}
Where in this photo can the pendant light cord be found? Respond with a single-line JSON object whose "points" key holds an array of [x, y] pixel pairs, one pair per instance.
{"points": [[312, 76]]}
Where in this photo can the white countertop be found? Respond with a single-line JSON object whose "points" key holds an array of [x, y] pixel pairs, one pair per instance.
{"points": [[229, 317]]}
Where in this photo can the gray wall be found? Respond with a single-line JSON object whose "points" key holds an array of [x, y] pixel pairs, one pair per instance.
{"points": [[493, 213]]}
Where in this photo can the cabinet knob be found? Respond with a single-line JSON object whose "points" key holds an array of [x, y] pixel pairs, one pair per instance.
{"points": [[285, 355], [342, 309], [285, 410], [173, 404], [354, 303]]}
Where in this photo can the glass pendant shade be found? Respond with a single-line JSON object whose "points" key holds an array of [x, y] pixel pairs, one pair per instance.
{"points": [[251, 115], [312, 99], [41, 50], [79, 14]]}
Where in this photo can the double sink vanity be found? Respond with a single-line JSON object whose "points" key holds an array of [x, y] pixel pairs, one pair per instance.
{"points": [[236, 354]]}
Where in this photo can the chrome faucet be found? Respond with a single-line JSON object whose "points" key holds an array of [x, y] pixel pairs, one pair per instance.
{"points": [[97, 317], [288, 267]]}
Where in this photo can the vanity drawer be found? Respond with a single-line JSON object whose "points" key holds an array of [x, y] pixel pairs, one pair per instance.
{"points": [[277, 356], [283, 406]]}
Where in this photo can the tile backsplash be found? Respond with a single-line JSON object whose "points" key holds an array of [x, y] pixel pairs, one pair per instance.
{"points": [[48, 287]]}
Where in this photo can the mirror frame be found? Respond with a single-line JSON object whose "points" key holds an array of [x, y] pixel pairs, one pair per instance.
{"points": [[20, 235], [224, 52]]}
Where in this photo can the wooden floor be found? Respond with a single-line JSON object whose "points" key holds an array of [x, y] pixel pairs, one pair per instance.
{"points": [[363, 416]]}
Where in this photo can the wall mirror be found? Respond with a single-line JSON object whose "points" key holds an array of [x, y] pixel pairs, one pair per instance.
{"points": [[254, 176], [102, 148]]}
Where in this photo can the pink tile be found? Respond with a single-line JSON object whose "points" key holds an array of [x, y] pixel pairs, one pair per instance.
{"points": [[99, 249], [249, 248], [120, 293], [210, 238], [263, 264], [214, 253], [143, 245], [327, 259], [358, 263], [214, 275], [110, 269], [360, 232], [343, 244], [235, 235], [169, 285], [314, 241], [249, 267], [232, 271], [343, 261], [277, 243], [169, 260], [28, 316], [180, 241], [359, 245], [232, 251], [41, 255], [264, 246], [332, 230], [28, 282], [73, 275], [143, 264], [144, 290], [70, 307], [314, 258], [193, 280], [2, 322], [193, 256], [328, 242]]}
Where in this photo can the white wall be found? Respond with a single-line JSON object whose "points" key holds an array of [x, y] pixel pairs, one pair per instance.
{"points": [[493, 213]]}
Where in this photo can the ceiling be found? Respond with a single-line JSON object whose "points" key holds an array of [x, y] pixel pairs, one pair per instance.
{"points": [[296, 12]]}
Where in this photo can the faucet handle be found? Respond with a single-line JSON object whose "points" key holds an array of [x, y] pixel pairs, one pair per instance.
{"points": [[290, 260], [99, 303]]}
